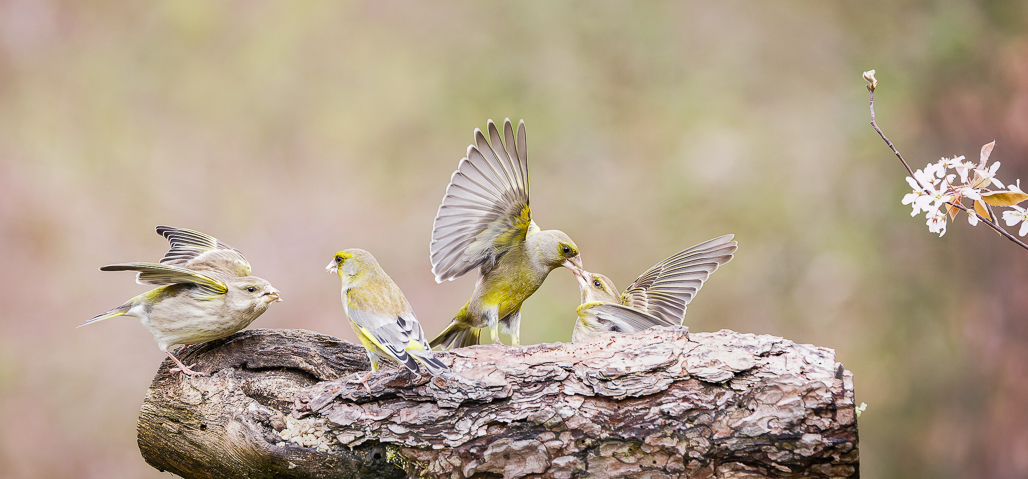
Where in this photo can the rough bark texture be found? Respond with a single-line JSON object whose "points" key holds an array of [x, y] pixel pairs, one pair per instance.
{"points": [[660, 403]]}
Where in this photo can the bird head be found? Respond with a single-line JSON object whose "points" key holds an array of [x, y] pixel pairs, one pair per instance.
{"points": [[351, 264], [555, 249], [596, 287], [251, 293]]}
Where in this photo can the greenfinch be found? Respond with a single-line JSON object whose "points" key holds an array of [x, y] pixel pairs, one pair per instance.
{"points": [[656, 298], [485, 222], [207, 293], [380, 314]]}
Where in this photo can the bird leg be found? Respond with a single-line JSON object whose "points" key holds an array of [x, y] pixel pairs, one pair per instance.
{"points": [[513, 325], [493, 322], [183, 367]]}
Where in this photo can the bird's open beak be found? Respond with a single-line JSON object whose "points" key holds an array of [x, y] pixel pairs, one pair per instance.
{"points": [[582, 275], [574, 264], [332, 267], [272, 296]]}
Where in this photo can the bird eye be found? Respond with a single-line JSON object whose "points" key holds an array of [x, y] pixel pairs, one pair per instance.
{"points": [[596, 283], [251, 289], [339, 259], [566, 249]]}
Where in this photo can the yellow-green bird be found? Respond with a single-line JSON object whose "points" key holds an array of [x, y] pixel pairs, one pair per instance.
{"points": [[485, 222], [207, 292], [656, 298], [380, 314]]}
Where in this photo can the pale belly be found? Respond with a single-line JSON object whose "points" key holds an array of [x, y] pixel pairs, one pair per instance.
{"points": [[192, 322]]}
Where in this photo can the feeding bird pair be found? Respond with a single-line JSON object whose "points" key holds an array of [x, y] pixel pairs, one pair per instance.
{"points": [[483, 222]]}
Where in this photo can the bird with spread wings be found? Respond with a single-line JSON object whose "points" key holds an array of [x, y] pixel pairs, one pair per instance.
{"points": [[658, 297], [485, 222], [206, 292]]}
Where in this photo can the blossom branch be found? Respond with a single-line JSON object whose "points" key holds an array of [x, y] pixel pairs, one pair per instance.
{"points": [[949, 196]]}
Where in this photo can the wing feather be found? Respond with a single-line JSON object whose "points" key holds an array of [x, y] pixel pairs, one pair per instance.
{"points": [[666, 289], [625, 319], [485, 210], [156, 273], [195, 250], [393, 335]]}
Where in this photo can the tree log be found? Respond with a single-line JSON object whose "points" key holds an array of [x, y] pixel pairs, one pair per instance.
{"points": [[659, 403]]}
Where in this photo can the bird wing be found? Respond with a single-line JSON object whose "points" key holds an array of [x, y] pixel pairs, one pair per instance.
{"points": [[394, 335], [155, 273], [485, 210], [200, 251], [618, 318], [665, 289]]}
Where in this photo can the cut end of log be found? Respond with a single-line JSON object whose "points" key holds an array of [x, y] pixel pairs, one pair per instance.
{"points": [[289, 403]]}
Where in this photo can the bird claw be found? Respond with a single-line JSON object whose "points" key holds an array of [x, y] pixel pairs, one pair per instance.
{"points": [[187, 370], [364, 381]]}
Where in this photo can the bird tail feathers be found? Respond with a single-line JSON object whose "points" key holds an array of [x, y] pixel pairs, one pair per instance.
{"points": [[427, 359], [119, 311], [456, 336]]}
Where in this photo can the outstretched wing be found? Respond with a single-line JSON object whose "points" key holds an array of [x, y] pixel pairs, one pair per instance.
{"points": [[485, 210], [194, 250], [665, 289], [155, 273]]}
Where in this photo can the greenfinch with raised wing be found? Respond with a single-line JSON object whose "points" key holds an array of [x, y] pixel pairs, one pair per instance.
{"points": [[485, 222], [656, 298], [207, 293], [380, 314]]}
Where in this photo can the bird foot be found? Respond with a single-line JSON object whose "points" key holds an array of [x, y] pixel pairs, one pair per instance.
{"points": [[364, 381], [187, 370]]}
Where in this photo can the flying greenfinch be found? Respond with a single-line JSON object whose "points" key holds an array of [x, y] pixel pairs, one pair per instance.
{"points": [[656, 298], [207, 293], [380, 314], [485, 222]]}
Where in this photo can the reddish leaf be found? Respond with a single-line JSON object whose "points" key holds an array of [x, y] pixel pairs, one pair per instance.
{"points": [[986, 151], [952, 210]]}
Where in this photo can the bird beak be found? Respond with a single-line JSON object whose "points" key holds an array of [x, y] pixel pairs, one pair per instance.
{"points": [[574, 264], [581, 275], [332, 267], [272, 296]]}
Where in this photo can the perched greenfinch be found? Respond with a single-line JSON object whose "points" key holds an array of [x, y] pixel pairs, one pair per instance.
{"points": [[485, 222], [207, 293], [656, 298], [380, 314]]}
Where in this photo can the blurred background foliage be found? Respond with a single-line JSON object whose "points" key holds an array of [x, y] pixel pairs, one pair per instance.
{"points": [[291, 130]]}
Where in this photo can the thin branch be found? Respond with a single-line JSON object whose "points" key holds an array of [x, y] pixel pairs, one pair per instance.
{"points": [[990, 223], [871, 93]]}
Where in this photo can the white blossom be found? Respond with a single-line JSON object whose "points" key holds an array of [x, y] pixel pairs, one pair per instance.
{"points": [[937, 223], [985, 176], [912, 198], [935, 169], [957, 164], [972, 217], [1017, 215]]}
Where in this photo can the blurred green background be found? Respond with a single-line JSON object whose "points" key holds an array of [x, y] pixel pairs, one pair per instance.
{"points": [[293, 130]]}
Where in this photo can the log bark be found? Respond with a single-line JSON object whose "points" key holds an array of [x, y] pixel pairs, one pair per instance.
{"points": [[659, 403]]}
